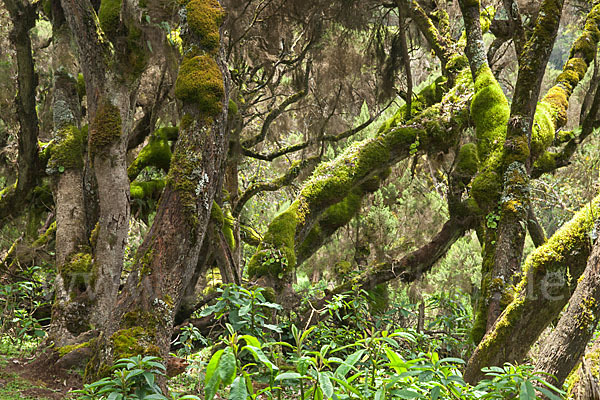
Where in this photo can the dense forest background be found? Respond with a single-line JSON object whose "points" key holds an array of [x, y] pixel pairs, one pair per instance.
{"points": [[299, 199]]}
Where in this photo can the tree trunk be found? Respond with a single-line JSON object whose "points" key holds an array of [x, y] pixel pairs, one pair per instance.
{"points": [[165, 263], [564, 347], [550, 273], [69, 313]]}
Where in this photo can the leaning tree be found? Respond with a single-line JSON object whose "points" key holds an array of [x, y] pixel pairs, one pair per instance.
{"points": [[200, 86]]}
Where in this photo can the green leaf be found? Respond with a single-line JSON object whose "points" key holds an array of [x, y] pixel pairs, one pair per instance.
{"points": [[212, 380], [227, 367], [260, 356], [435, 393], [380, 393], [251, 340], [238, 389], [288, 375], [350, 361], [348, 386], [326, 384], [527, 392]]}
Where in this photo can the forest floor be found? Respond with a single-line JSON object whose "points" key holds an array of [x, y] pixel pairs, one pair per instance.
{"points": [[23, 379]]}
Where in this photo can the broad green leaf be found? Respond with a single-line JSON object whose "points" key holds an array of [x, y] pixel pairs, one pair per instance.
{"points": [[350, 361], [260, 356], [238, 389], [227, 367], [251, 340], [326, 385], [435, 393], [526, 392], [212, 365], [288, 375]]}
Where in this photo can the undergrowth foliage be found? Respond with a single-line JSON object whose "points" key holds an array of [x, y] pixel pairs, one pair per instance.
{"points": [[254, 359]]}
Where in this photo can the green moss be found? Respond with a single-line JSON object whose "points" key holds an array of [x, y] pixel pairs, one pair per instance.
{"points": [[204, 18], [63, 351], [67, 153], [46, 237], [467, 162], [133, 341], [542, 133], [76, 272], [200, 82], [156, 153], [546, 162], [490, 112], [80, 86], [216, 214], [486, 189], [233, 108], [281, 235], [147, 189], [109, 16], [106, 127], [94, 235], [228, 229]]}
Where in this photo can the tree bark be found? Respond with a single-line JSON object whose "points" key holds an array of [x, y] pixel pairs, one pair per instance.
{"points": [[562, 350], [550, 273]]}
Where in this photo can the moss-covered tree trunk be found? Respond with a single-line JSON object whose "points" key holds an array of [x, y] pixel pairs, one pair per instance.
{"points": [[562, 350], [499, 345], [71, 302], [12, 199], [166, 261]]}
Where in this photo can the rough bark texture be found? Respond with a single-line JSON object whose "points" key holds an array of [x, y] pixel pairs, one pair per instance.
{"points": [[23, 16], [69, 312], [562, 350], [550, 274], [516, 157], [110, 116], [167, 259]]}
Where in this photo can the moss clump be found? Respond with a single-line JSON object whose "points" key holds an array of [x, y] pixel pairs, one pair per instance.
{"points": [[200, 82], [63, 351], [46, 237], [133, 341], [204, 18], [233, 108], [490, 112], [80, 86], [106, 127], [542, 133], [156, 153], [216, 214], [67, 153], [77, 271], [467, 162], [109, 16], [486, 189], [281, 235], [146, 190], [228, 229]]}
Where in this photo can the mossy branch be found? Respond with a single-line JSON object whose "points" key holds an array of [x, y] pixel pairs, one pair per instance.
{"points": [[435, 129], [284, 180], [549, 275]]}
